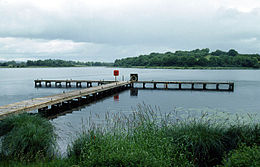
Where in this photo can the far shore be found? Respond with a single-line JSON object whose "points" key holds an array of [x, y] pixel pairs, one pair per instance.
{"points": [[195, 68], [146, 67]]}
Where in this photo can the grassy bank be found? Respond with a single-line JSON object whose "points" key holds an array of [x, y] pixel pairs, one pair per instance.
{"points": [[143, 138]]}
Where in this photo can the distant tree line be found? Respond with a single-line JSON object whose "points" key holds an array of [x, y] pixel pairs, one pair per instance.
{"points": [[52, 63], [198, 57]]}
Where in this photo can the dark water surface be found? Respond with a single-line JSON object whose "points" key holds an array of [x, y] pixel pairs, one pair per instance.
{"points": [[17, 85]]}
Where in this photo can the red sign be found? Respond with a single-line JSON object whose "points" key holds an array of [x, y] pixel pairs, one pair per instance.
{"points": [[116, 72]]}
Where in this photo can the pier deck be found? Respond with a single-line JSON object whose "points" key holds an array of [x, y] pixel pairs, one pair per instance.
{"points": [[188, 85], [69, 83], [178, 85], [60, 99]]}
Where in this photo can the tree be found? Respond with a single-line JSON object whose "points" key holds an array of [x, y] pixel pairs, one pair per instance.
{"points": [[232, 52], [218, 53], [202, 61]]}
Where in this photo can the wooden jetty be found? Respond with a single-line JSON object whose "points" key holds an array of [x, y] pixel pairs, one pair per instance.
{"points": [[69, 83], [179, 85], [103, 88], [187, 85], [63, 99]]}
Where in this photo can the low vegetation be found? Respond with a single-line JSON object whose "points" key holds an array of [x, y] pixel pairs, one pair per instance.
{"points": [[199, 58], [144, 138], [243, 156], [26, 137]]}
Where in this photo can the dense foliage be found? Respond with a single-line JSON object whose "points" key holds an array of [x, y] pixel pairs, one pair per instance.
{"points": [[194, 58], [244, 156], [52, 63]]}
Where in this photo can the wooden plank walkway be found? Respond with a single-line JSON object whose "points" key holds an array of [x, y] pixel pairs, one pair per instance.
{"points": [[43, 102], [181, 85], [68, 83]]}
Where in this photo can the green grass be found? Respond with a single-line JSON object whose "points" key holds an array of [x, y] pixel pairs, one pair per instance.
{"points": [[56, 162], [243, 156], [144, 138], [26, 137]]}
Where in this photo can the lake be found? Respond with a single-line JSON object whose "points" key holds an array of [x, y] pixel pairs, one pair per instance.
{"points": [[17, 85]]}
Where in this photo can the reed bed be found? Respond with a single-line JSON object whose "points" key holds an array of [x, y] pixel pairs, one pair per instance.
{"points": [[146, 137]]}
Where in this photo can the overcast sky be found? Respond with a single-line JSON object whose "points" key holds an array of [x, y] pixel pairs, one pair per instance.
{"points": [[105, 30]]}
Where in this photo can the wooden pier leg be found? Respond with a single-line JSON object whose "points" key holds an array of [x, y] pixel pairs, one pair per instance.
{"points": [[78, 84], [231, 87], [154, 85], [38, 84], [166, 86], [57, 84], [192, 86], [204, 86], [48, 84], [68, 84], [179, 85], [217, 86], [144, 85], [90, 84]]}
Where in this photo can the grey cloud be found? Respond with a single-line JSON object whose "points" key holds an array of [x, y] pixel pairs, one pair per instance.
{"points": [[140, 29]]}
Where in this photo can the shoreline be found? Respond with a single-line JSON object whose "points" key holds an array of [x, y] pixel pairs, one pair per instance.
{"points": [[148, 67]]}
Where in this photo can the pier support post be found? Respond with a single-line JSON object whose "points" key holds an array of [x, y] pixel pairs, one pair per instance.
{"points": [[48, 84], [78, 84], [179, 85], [57, 84], [166, 85], [231, 86], [68, 84], [217, 86], [143, 85], [154, 85], [204, 86], [192, 86], [38, 84], [89, 84]]}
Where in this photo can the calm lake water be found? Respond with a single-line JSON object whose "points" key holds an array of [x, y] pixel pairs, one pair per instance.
{"points": [[17, 85]]}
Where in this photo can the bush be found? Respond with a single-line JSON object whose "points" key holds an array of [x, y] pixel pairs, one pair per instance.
{"points": [[97, 149], [244, 156], [27, 137], [243, 134], [147, 139], [203, 142]]}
